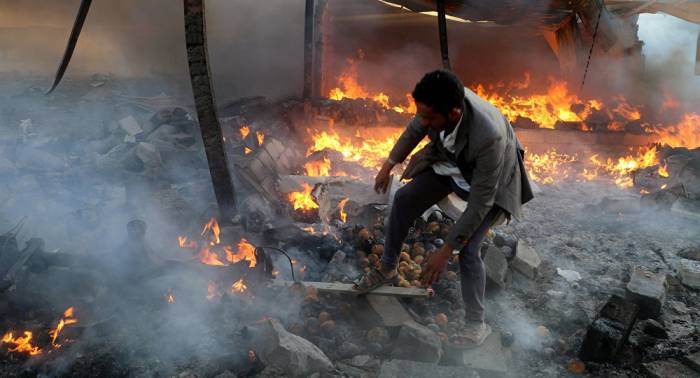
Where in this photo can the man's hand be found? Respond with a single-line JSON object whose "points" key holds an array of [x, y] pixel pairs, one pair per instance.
{"points": [[381, 182], [436, 265]]}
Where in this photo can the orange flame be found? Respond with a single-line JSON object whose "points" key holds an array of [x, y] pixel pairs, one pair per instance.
{"points": [[303, 200], [341, 207], [318, 167], [239, 286], [185, 242], [67, 319], [261, 137], [663, 170], [21, 344], [169, 297], [245, 130], [686, 133], [213, 231], [247, 150], [245, 252]]}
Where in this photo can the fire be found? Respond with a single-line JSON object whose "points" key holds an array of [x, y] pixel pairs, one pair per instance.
{"points": [[245, 252], [212, 229], [545, 109], [185, 242], [686, 133], [341, 208], [212, 250], [349, 87], [663, 170], [247, 150], [239, 286], [245, 130], [545, 168], [169, 297], [67, 319], [303, 200], [21, 344], [318, 167], [261, 137]]}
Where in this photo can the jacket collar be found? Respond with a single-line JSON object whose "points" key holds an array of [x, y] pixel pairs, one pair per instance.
{"points": [[465, 126]]}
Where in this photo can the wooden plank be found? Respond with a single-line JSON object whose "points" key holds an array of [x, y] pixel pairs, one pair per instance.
{"points": [[346, 288]]}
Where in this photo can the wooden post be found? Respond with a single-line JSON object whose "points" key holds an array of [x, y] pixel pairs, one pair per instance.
{"points": [[196, 41], [320, 16], [442, 28], [308, 48]]}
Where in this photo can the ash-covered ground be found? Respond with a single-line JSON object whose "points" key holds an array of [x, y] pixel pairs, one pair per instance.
{"points": [[74, 173]]}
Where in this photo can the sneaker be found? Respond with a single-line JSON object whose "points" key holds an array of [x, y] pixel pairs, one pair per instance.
{"points": [[471, 335]]}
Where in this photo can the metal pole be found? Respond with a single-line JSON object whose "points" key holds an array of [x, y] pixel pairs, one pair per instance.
{"points": [[308, 48], [442, 28], [200, 77]]}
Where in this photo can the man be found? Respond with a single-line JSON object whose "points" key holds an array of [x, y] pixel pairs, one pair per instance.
{"points": [[474, 153]]}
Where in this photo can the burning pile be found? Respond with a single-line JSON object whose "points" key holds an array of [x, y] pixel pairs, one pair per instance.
{"points": [[23, 344], [211, 251]]}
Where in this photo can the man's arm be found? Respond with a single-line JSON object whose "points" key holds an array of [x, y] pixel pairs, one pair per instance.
{"points": [[408, 140], [487, 170]]}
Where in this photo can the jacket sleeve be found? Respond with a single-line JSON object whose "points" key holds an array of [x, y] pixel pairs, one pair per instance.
{"points": [[487, 170], [408, 140]]}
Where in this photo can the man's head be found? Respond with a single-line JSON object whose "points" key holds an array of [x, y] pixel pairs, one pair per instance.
{"points": [[439, 96]]}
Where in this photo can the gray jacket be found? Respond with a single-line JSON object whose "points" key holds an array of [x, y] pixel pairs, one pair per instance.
{"points": [[487, 153]]}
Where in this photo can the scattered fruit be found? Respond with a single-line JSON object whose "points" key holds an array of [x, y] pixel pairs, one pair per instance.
{"points": [[441, 319]]}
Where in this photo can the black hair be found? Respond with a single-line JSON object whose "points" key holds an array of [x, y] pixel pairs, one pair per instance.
{"points": [[441, 90]]}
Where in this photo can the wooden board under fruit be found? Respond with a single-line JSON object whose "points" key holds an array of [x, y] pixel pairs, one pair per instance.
{"points": [[346, 288]]}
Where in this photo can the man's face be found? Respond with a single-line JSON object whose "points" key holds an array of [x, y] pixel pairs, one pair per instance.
{"points": [[436, 120]]}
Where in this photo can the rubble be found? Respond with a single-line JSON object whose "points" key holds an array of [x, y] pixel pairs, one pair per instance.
{"points": [[287, 352], [417, 343], [413, 369], [609, 331], [668, 369], [526, 260], [648, 291], [689, 271], [496, 267]]}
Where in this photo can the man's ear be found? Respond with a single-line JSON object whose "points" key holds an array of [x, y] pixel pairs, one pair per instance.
{"points": [[455, 114]]}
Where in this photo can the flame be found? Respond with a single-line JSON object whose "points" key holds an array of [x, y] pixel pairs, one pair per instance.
{"points": [[545, 109], [309, 230], [303, 200], [185, 242], [663, 170], [239, 286], [544, 168], [21, 344], [341, 207], [169, 297], [67, 319], [318, 167], [212, 229], [626, 110], [245, 252], [686, 133], [302, 269], [245, 130], [247, 150], [349, 87], [261, 137]]}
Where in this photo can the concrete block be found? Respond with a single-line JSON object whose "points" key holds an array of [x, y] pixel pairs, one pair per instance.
{"points": [[496, 268], [491, 359], [383, 311], [648, 291], [412, 369], [689, 270], [526, 260], [609, 331], [418, 343], [692, 361]]}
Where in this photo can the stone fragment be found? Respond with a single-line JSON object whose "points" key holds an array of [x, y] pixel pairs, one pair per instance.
{"points": [[628, 204], [653, 328], [689, 271], [378, 335], [149, 155], [687, 207], [130, 126], [384, 311], [668, 369], [648, 291], [453, 206], [496, 267], [608, 332], [526, 260], [288, 352], [692, 361], [490, 359], [502, 239], [692, 253], [418, 343]]}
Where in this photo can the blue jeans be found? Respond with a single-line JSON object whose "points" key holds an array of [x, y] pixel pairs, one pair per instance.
{"points": [[412, 200]]}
